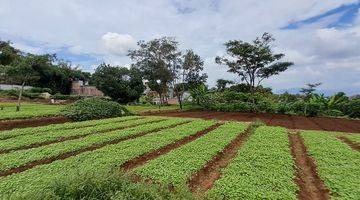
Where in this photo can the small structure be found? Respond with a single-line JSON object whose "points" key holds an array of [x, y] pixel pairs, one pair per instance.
{"points": [[82, 88]]}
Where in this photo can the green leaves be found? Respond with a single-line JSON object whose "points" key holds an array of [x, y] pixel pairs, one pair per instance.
{"points": [[337, 164], [263, 169]]}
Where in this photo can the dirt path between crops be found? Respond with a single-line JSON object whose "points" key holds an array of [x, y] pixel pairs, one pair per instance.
{"points": [[205, 178], [141, 160], [355, 146], [291, 122], [77, 152], [310, 184], [62, 139], [23, 123]]}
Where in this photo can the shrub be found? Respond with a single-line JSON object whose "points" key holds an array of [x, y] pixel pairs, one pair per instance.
{"points": [[40, 90], [94, 108]]}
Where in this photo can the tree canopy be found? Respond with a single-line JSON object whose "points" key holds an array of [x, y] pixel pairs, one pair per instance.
{"points": [[253, 62], [120, 83]]}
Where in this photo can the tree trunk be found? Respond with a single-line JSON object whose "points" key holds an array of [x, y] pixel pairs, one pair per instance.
{"points": [[160, 100], [180, 101], [20, 95]]}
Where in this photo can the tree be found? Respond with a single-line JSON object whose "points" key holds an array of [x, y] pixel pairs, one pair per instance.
{"points": [[190, 75], [253, 62], [310, 89], [120, 83], [159, 61], [8, 54], [21, 73], [222, 83]]}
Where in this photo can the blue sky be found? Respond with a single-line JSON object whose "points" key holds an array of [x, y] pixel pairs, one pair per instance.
{"points": [[321, 37]]}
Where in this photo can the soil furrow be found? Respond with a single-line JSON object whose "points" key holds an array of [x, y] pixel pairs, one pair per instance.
{"points": [[62, 139], [355, 146], [310, 184], [85, 126], [205, 178], [131, 164], [77, 152], [23, 123]]}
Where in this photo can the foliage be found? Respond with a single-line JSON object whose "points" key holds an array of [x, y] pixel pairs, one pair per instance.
{"points": [[158, 61], [20, 158], [310, 89], [40, 179], [337, 164], [262, 169], [253, 62], [120, 83], [94, 108], [222, 83], [29, 111], [181, 163], [350, 108], [198, 93], [59, 96]]}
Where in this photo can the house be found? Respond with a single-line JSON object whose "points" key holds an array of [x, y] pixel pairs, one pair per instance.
{"points": [[82, 88]]}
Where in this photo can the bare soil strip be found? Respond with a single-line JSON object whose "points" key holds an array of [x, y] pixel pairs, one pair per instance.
{"points": [[84, 126], [62, 139], [355, 146], [310, 184], [141, 160], [23, 123], [205, 178], [77, 152], [287, 121]]}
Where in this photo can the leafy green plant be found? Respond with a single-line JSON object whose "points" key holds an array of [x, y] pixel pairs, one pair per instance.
{"points": [[94, 108], [263, 169], [337, 164]]}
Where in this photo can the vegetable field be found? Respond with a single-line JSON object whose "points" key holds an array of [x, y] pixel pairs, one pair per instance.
{"points": [[202, 158], [28, 111]]}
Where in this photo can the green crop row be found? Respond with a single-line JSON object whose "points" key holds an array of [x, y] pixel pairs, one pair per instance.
{"points": [[337, 164], [263, 169], [64, 126], [27, 140], [20, 158], [353, 137], [29, 111], [42, 178], [181, 163]]}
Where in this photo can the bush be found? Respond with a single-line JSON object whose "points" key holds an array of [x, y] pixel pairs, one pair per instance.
{"points": [[351, 108], [94, 108], [40, 90]]}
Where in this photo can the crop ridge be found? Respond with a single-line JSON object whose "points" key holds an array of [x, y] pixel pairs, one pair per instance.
{"points": [[203, 180], [141, 160], [355, 146], [307, 178], [68, 128], [77, 152], [62, 139]]}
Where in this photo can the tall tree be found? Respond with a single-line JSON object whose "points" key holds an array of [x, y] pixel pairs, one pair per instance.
{"points": [[190, 75], [120, 83], [253, 62], [159, 61], [309, 89], [21, 73], [8, 54], [222, 83]]}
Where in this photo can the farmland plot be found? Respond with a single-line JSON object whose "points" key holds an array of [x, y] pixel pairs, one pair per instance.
{"points": [[181, 153]]}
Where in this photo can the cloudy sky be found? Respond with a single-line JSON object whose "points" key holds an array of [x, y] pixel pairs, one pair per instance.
{"points": [[322, 37]]}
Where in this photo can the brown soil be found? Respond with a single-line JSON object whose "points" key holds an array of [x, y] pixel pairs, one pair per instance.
{"points": [[23, 123], [288, 121], [310, 184], [355, 146], [77, 152], [205, 178], [62, 139], [131, 164]]}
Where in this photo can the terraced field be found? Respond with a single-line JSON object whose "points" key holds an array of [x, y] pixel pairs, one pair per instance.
{"points": [[28, 111], [207, 158]]}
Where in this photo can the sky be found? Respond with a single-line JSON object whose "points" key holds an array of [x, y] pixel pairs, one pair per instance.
{"points": [[322, 37]]}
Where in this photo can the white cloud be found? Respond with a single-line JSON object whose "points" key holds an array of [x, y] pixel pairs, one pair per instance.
{"points": [[108, 29], [118, 44]]}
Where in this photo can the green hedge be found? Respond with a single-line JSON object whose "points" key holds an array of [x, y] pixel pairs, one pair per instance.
{"points": [[94, 108]]}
